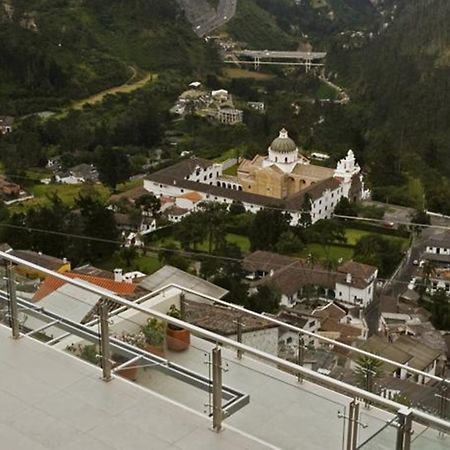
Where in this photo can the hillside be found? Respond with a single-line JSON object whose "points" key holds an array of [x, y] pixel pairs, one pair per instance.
{"points": [[281, 23], [54, 51], [402, 79]]}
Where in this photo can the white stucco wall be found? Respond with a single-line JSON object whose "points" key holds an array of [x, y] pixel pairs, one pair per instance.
{"points": [[265, 340]]}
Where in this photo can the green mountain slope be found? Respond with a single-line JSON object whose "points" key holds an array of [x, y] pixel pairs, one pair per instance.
{"points": [[55, 50], [402, 78]]}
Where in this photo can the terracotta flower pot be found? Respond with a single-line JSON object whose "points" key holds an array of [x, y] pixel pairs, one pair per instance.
{"points": [[130, 373], [178, 340], [157, 350]]}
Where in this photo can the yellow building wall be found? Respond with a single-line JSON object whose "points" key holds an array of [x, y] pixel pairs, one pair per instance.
{"points": [[32, 273]]}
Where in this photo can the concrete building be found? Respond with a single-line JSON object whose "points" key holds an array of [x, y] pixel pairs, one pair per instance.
{"points": [[283, 179], [352, 283]]}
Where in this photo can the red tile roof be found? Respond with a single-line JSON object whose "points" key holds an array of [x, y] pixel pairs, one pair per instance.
{"points": [[51, 284]]}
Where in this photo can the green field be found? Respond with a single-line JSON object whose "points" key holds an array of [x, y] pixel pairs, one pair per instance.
{"points": [[353, 236], [232, 171], [67, 192], [329, 252], [335, 252], [147, 264], [241, 241]]}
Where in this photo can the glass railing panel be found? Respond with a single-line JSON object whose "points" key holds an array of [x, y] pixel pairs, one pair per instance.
{"points": [[428, 439], [173, 362], [375, 433], [282, 411]]}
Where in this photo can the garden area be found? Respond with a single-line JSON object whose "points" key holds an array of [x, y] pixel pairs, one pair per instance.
{"points": [[345, 251]]}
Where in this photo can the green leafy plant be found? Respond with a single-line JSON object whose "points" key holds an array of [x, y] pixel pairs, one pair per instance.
{"points": [[176, 314], [154, 331]]}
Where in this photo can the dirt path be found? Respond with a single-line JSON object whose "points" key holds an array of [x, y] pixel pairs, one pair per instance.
{"points": [[136, 81]]}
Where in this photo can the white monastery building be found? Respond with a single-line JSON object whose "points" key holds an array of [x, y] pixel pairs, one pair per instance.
{"points": [[284, 178]]}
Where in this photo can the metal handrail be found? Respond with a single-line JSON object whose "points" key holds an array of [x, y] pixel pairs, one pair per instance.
{"points": [[309, 374], [297, 330]]}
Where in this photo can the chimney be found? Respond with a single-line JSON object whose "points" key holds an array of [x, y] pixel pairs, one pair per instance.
{"points": [[348, 278], [64, 260], [128, 279], [118, 275]]}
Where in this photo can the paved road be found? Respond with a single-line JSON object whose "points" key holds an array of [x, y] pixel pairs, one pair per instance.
{"points": [[204, 18]]}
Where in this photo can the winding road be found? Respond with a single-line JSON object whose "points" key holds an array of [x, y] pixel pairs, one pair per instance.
{"points": [[136, 81]]}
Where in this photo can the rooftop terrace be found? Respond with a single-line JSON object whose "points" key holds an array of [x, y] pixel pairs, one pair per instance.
{"points": [[251, 398]]}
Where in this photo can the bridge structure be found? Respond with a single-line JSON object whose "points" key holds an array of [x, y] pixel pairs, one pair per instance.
{"points": [[274, 57]]}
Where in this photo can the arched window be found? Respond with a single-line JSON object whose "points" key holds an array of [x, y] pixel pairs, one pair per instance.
{"points": [[286, 159], [276, 158]]}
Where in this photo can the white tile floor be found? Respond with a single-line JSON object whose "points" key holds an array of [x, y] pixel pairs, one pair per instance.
{"points": [[50, 400], [281, 411]]}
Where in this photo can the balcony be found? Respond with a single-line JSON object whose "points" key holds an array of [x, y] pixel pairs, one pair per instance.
{"points": [[248, 397]]}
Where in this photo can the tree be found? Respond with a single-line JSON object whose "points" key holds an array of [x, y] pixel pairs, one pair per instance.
{"points": [[170, 255], [236, 208], [380, 252], [149, 204], [345, 208], [440, 310], [267, 227], [190, 231], [265, 299], [368, 370], [213, 217], [97, 222], [289, 243], [113, 166], [128, 254], [305, 216]]}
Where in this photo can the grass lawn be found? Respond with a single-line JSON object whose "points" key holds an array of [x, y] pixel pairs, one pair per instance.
{"points": [[232, 171], [147, 264], [354, 235], [233, 73], [228, 154], [123, 187], [241, 241], [335, 252], [67, 193]]}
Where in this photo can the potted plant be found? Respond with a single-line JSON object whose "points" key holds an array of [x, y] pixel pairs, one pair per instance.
{"points": [[89, 352], [154, 332], [137, 340], [178, 338]]}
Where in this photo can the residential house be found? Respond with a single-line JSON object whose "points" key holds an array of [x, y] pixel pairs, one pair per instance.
{"points": [[79, 174], [289, 339], [345, 324], [119, 285], [6, 124], [408, 351], [8, 188], [40, 259], [437, 249], [352, 283], [356, 285], [256, 332], [169, 275]]}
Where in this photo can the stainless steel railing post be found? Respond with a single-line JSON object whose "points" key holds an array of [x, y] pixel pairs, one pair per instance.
{"points": [[13, 312], [105, 346], [217, 412], [404, 430]]}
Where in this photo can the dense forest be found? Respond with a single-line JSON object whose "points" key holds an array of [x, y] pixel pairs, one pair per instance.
{"points": [[53, 51], [393, 60], [402, 80]]}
